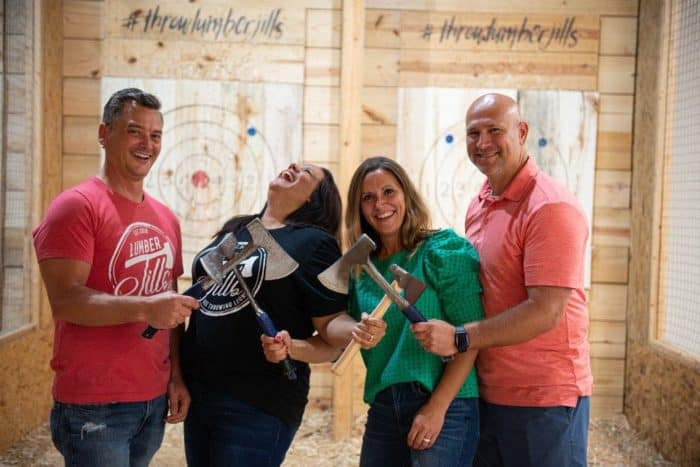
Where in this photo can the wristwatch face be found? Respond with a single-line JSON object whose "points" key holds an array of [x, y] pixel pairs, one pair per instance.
{"points": [[461, 339]]}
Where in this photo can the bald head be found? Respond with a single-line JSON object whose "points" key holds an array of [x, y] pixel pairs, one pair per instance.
{"points": [[496, 136], [495, 103]]}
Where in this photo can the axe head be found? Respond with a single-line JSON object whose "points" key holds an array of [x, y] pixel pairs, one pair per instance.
{"points": [[279, 263], [213, 262], [337, 275], [412, 286]]}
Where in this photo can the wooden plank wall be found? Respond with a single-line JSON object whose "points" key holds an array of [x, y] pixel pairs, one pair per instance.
{"points": [[390, 60]]}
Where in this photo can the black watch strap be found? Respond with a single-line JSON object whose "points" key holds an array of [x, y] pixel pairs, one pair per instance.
{"points": [[461, 339]]}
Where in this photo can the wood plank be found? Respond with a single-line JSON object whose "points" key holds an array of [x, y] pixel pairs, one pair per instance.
{"points": [[607, 302], [83, 19], [500, 32], [322, 105], [218, 61], [379, 105], [13, 247], [612, 188], [618, 35], [609, 376], [82, 58], [616, 74], [500, 69], [16, 209], [16, 171], [18, 135], [611, 226], [610, 264], [322, 67], [582, 7], [605, 405], [607, 332], [81, 97], [274, 23], [608, 350], [381, 67], [323, 28], [614, 150], [321, 143], [78, 167], [379, 140], [16, 45], [17, 98], [616, 104], [80, 135], [382, 29]]}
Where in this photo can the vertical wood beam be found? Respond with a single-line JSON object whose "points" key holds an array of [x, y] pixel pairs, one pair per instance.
{"points": [[353, 40]]}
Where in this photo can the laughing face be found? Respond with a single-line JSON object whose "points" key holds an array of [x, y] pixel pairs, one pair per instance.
{"points": [[383, 206], [294, 185], [132, 143]]}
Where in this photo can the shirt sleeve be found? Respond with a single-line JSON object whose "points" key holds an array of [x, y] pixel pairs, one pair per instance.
{"points": [[555, 245], [68, 229], [318, 299], [452, 268]]}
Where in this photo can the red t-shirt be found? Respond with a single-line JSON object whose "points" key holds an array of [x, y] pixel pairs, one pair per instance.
{"points": [[534, 234], [133, 249]]}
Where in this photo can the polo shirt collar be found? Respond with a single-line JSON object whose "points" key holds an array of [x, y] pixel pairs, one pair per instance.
{"points": [[517, 186]]}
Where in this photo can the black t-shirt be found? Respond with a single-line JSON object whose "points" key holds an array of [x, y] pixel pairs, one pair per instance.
{"points": [[221, 348]]}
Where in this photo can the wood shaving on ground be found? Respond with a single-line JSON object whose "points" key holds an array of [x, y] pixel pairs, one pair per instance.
{"points": [[611, 442]]}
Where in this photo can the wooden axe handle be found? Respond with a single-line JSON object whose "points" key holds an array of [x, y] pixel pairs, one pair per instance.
{"points": [[341, 364]]}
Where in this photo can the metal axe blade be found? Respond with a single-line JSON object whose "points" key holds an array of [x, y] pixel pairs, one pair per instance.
{"points": [[279, 263], [213, 261], [413, 286], [335, 277]]}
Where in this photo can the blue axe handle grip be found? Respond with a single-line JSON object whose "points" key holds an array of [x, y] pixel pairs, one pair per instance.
{"points": [[197, 291], [270, 330], [416, 316]]}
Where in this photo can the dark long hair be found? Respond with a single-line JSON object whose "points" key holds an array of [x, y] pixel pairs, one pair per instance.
{"points": [[323, 211]]}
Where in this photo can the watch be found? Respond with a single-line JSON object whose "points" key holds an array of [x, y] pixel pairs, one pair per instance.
{"points": [[461, 339]]}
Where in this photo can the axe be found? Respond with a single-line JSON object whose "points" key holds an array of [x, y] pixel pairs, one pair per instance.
{"points": [[336, 276]]}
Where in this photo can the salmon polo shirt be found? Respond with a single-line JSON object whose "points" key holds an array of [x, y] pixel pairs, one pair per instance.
{"points": [[533, 234]]}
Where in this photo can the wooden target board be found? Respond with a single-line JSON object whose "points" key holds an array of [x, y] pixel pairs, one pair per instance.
{"points": [[222, 144], [431, 144]]}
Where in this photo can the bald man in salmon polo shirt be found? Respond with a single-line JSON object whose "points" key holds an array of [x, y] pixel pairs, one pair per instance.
{"points": [[534, 366]]}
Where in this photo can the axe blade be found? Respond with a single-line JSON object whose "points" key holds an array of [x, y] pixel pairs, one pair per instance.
{"points": [[214, 260], [336, 276], [413, 287], [279, 263]]}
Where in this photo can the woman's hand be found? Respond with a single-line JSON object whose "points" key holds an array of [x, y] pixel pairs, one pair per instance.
{"points": [[369, 331], [426, 427], [276, 348]]}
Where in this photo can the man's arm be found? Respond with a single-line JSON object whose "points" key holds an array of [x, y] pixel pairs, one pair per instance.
{"points": [[71, 300], [539, 313]]}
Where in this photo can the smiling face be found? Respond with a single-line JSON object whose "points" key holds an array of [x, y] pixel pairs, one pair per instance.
{"points": [[132, 142], [383, 206], [294, 185], [496, 139]]}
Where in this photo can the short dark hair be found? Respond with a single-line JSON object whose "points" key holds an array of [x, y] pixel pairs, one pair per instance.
{"points": [[115, 104], [323, 211]]}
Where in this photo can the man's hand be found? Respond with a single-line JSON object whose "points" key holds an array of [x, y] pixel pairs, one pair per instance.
{"points": [[178, 400], [168, 309], [436, 337]]}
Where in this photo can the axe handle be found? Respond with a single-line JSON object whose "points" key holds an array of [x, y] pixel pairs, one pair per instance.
{"points": [[198, 290], [341, 364]]}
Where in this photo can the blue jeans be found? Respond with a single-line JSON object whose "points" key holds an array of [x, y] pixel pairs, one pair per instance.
{"points": [[390, 418], [221, 430], [533, 436], [116, 434]]}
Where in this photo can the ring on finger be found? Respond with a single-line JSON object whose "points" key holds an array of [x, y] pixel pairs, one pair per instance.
{"points": [[426, 440]]}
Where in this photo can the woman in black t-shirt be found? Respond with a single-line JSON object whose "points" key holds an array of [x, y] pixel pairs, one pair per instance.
{"points": [[245, 410]]}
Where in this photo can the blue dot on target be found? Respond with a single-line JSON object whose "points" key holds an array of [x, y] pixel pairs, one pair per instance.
{"points": [[252, 131], [449, 139], [542, 142]]}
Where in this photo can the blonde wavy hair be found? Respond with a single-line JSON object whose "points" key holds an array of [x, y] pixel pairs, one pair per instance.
{"points": [[416, 225]]}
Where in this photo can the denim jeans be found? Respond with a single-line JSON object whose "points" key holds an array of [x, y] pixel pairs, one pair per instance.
{"points": [[221, 430], [117, 434], [533, 436], [389, 421]]}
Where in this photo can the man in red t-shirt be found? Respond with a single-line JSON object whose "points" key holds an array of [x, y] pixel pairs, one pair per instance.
{"points": [[109, 256], [533, 365]]}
